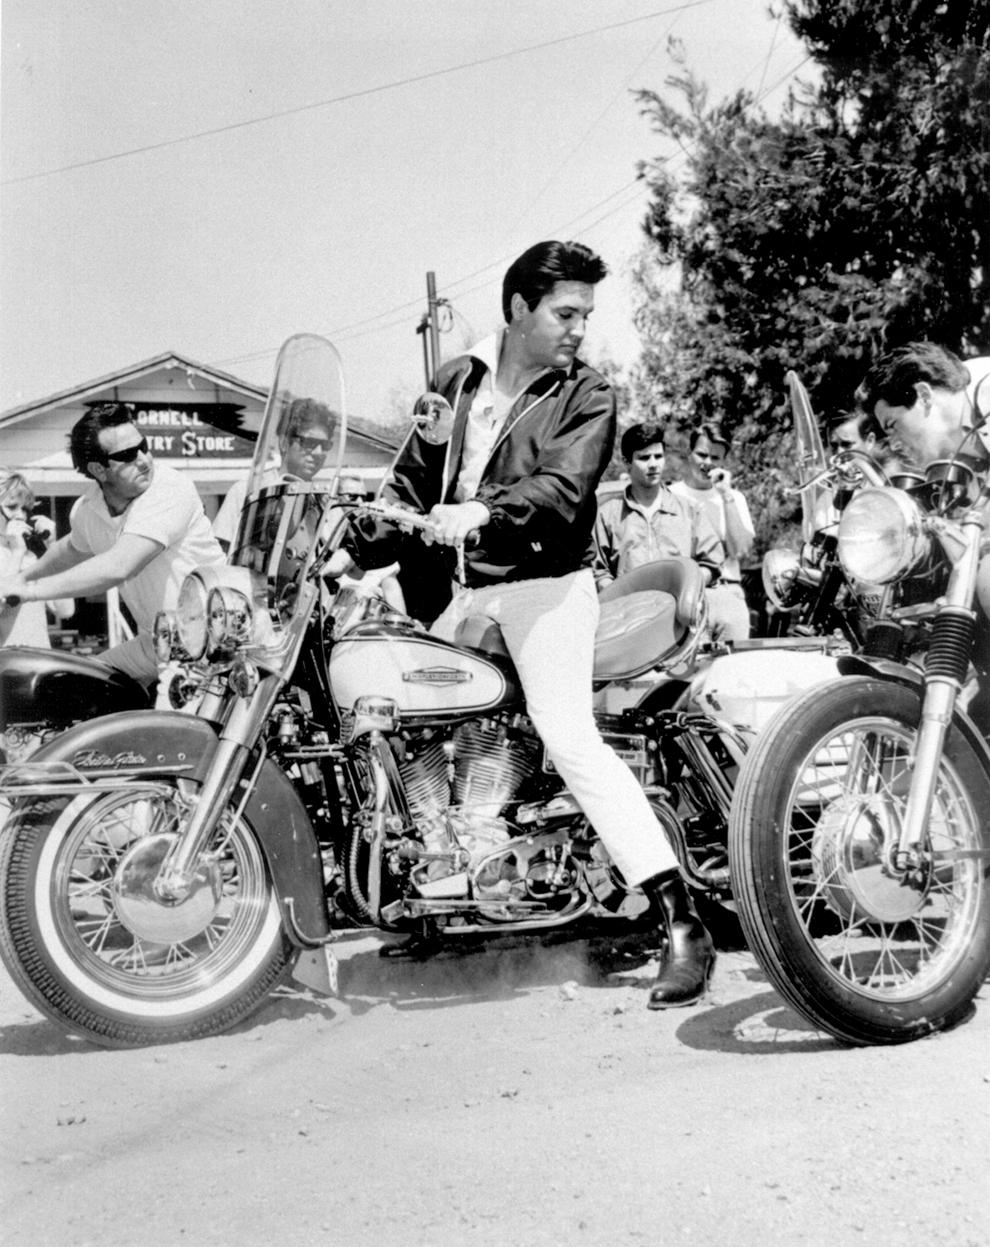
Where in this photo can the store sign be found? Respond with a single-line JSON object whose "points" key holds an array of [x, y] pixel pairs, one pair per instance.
{"points": [[193, 430]]}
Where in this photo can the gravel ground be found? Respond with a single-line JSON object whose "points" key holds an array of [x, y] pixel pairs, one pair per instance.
{"points": [[499, 1097]]}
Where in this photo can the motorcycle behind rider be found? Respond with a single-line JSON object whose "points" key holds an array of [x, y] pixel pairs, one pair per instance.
{"points": [[534, 430]]}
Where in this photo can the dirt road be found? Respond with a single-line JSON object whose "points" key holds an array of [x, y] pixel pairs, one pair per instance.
{"points": [[499, 1098]]}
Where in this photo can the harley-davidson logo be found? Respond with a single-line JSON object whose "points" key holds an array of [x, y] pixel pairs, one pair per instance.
{"points": [[437, 675], [91, 757]]}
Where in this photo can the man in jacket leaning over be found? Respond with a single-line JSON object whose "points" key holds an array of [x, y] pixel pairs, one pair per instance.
{"points": [[534, 429]]}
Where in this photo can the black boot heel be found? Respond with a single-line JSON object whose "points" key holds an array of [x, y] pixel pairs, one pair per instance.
{"points": [[687, 967]]}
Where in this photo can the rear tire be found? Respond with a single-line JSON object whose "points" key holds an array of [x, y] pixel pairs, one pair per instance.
{"points": [[88, 942], [863, 955]]}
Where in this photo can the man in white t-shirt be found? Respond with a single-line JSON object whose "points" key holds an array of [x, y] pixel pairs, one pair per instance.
{"points": [[138, 525], [709, 483]]}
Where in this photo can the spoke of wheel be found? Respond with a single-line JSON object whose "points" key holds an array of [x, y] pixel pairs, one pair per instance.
{"points": [[898, 972], [95, 937]]}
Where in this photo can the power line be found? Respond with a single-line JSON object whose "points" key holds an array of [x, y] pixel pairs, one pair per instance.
{"points": [[344, 333], [350, 95]]}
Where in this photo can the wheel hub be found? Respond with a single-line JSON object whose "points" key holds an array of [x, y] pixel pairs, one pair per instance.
{"points": [[851, 864], [144, 913]]}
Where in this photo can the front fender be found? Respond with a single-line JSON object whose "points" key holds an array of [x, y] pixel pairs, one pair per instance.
{"points": [[897, 673], [150, 742]]}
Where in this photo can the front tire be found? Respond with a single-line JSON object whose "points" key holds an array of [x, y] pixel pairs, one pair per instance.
{"points": [[864, 955], [88, 942]]}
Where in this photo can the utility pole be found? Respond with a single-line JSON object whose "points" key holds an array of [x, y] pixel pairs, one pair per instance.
{"points": [[429, 325]]}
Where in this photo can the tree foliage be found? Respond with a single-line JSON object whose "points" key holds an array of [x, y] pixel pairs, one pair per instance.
{"points": [[858, 220]]}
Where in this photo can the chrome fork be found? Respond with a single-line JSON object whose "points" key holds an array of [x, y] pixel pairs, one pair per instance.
{"points": [[945, 673]]}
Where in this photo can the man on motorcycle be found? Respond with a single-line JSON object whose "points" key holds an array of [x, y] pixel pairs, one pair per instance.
{"points": [[139, 525], [932, 402], [534, 430], [938, 407], [647, 521], [303, 445]]}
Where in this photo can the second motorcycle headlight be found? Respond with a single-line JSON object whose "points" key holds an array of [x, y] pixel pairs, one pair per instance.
{"points": [[230, 617], [881, 536], [191, 619]]}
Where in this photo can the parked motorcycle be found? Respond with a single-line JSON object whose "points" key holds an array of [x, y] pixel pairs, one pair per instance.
{"points": [[809, 593], [162, 871], [860, 836]]}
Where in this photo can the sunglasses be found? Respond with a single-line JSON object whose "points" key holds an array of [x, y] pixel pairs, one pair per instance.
{"points": [[128, 455], [311, 444]]}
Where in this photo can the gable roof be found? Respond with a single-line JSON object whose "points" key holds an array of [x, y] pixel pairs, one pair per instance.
{"points": [[167, 362]]}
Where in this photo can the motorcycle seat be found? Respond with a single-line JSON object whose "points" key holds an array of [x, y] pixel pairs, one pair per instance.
{"points": [[645, 616]]}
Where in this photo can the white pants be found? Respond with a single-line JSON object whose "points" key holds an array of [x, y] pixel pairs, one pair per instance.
{"points": [[135, 658], [549, 629]]}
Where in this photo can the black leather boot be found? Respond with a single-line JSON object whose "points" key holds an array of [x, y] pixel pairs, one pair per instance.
{"points": [[690, 955]]}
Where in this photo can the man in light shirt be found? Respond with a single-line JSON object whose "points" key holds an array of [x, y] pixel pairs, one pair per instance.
{"points": [[708, 482], [139, 525]]}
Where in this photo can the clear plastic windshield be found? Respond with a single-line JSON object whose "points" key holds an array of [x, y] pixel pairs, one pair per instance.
{"points": [[296, 468], [816, 499]]}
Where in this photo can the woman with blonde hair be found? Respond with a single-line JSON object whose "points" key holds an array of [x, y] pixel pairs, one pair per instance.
{"points": [[25, 624]]}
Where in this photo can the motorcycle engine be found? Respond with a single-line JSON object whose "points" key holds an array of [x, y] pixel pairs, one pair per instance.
{"points": [[458, 791]]}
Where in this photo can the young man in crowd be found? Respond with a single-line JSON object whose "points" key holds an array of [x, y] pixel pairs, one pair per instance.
{"points": [[709, 483], [139, 525], [854, 431], [534, 430], [647, 521]]}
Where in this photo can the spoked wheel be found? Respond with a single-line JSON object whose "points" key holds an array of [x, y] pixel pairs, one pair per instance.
{"points": [[864, 952], [87, 939]]}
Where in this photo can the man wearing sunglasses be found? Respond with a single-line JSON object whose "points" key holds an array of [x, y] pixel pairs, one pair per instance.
{"points": [[139, 526], [303, 445]]}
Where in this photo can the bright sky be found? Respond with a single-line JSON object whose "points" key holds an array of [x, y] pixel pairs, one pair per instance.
{"points": [[211, 176]]}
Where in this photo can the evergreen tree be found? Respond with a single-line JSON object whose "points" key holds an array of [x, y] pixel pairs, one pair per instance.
{"points": [[859, 220]]}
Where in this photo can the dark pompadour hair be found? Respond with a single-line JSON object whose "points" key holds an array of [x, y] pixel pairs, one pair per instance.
{"points": [[84, 439], [894, 376], [638, 437], [538, 270]]}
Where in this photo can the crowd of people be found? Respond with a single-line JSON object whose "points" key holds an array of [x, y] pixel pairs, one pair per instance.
{"points": [[533, 435]]}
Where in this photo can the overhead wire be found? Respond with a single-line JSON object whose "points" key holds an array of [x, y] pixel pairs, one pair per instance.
{"points": [[349, 95], [369, 326]]}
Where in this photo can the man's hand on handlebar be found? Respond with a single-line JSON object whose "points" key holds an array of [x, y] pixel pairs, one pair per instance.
{"points": [[452, 524]]}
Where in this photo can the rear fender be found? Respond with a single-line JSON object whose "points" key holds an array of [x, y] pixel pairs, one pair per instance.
{"points": [[149, 743], [910, 677]]}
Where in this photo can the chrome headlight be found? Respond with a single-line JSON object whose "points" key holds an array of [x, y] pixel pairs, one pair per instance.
{"points": [[230, 620], [780, 569], [191, 615], [881, 536]]}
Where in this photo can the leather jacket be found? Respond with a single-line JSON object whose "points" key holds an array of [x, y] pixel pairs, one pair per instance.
{"points": [[539, 481]]}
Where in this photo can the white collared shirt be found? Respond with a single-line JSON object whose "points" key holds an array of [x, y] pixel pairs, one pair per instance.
{"points": [[486, 418]]}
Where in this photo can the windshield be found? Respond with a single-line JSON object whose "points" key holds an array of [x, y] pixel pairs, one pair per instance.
{"points": [[296, 469], [816, 500]]}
